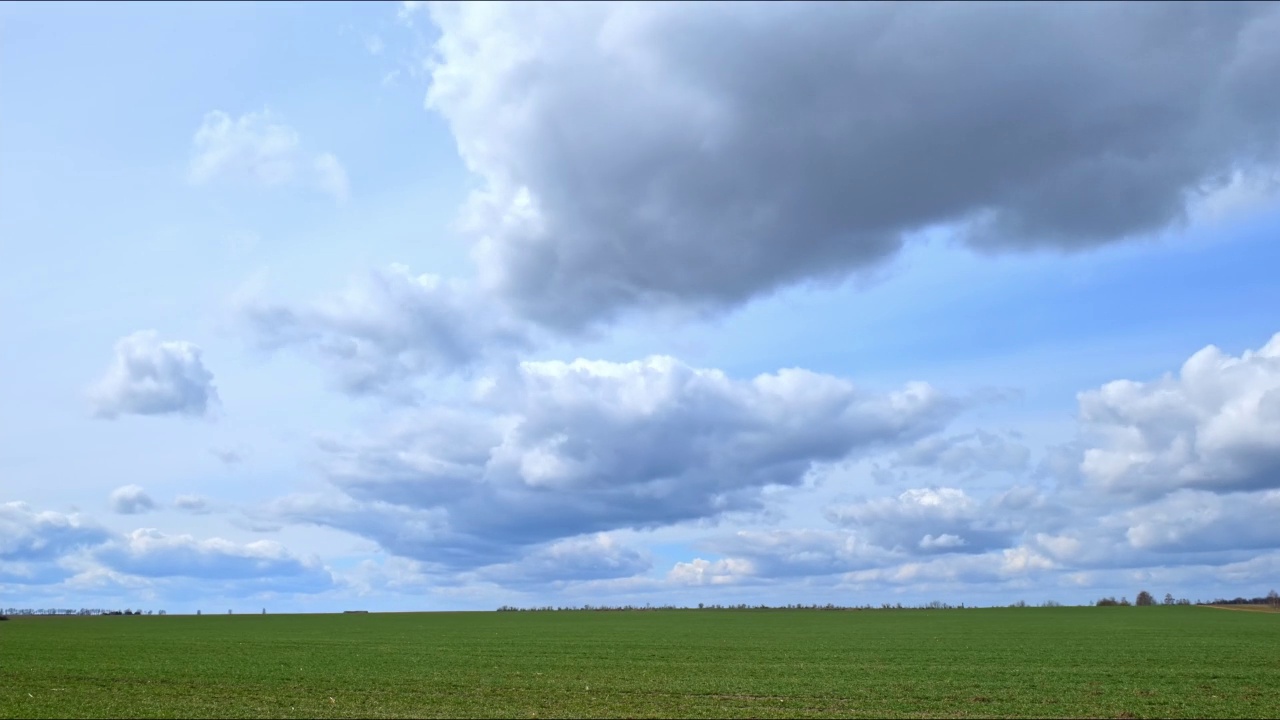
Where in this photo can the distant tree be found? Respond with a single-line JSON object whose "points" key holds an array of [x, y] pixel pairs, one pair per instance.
{"points": [[1124, 602], [1168, 599], [1144, 599], [1273, 599]]}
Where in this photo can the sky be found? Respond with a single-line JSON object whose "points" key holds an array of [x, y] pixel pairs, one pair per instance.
{"points": [[329, 306]]}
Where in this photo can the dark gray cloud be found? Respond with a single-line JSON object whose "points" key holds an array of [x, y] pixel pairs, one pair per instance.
{"points": [[701, 154], [154, 377], [566, 449], [131, 500]]}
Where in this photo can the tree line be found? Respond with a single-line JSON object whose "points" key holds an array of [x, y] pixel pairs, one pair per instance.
{"points": [[80, 612], [1146, 599]]}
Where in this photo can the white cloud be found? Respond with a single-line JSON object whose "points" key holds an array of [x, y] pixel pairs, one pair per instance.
{"points": [[564, 449], [750, 146], [154, 377], [151, 553], [27, 535], [258, 148], [707, 572], [1213, 426], [934, 520], [593, 557], [131, 500]]}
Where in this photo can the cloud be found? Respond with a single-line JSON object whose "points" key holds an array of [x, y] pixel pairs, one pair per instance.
{"points": [[594, 557], [228, 456], [567, 449], [977, 453], [154, 377], [1213, 426], [153, 554], [194, 504], [131, 500], [258, 148], [389, 327], [707, 572], [991, 567], [1186, 527], [934, 520], [28, 536], [331, 177], [793, 553], [746, 147]]}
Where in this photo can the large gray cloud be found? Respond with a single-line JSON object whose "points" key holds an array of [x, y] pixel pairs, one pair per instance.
{"points": [[700, 154], [151, 376], [566, 449]]}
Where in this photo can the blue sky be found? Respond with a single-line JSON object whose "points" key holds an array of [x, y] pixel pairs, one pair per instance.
{"points": [[414, 306]]}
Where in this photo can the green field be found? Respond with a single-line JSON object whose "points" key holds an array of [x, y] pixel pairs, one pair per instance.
{"points": [[1043, 662]]}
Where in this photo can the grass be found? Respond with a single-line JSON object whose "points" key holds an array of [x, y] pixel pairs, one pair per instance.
{"points": [[1042, 662]]}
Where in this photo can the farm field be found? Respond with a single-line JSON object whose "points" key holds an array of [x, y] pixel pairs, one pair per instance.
{"points": [[1042, 662]]}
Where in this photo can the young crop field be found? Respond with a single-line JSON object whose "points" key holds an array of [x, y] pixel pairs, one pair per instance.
{"points": [[1041, 662]]}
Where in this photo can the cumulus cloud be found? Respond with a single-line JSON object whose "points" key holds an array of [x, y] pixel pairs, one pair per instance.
{"points": [[151, 553], [994, 566], [259, 148], [728, 571], [154, 377], [797, 552], [933, 520], [749, 146], [595, 557], [27, 535], [1213, 426], [389, 327], [567, 449], [131, 500]]}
